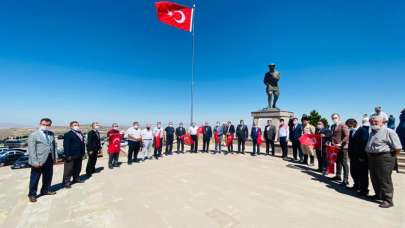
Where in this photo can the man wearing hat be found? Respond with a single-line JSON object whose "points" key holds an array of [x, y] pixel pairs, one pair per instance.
{"points": [[271, 79]]}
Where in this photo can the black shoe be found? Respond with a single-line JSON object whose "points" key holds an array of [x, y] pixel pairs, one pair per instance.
{"points": [[336, 178], [129, 163], [374, 197], [345, 183], [67, 185], [32, 199], [48, 193], [77, 181], [385, 204], [363, 193], [111, 167]]}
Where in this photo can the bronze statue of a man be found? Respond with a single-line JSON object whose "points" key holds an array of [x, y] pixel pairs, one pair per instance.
{"points": [[271, 79]]}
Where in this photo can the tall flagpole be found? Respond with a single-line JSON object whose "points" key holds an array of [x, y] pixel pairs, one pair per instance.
{"points": [[192, 65]]}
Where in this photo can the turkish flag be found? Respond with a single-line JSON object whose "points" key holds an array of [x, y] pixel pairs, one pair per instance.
{"points": [[259, 137], [114, 142], [311, 140], [331, 154], [158, 141], [187, 139], [216, 137], [175, 15]]}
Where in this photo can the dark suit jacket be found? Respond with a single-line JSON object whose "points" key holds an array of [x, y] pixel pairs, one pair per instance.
{"points": [[72, 145], [254, 132], [230, 129], [295, 132], [207, 132], [93, 141], [242, 132], [340, 134], [180, 131], [270, 132], [358, 142]]}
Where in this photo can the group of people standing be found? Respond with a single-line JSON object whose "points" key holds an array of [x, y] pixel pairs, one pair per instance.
{"points": [[371, 148]]}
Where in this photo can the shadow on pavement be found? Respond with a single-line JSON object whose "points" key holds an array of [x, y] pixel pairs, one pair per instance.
{"points": [[329, 183]]}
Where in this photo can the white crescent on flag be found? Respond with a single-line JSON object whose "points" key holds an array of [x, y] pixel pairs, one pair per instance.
{"points": [[182, 18]]}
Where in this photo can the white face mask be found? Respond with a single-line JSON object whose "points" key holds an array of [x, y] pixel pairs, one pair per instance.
{"points": [[319, 126], [375, 127], [336, 121], [136, 126], [116, 128], [76, 128], [43, 128], [96, 127]]}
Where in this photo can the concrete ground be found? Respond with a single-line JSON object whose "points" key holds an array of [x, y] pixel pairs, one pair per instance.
{"points": [[197, 190]]}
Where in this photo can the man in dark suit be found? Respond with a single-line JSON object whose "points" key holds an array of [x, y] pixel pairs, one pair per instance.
{"points": [[270, 136], [41, 156], [180, 132], [74, 149], [340, 139], [295, 134], [255, 134], [93, 148], [207, 135], [242, 133], [229, 131]]}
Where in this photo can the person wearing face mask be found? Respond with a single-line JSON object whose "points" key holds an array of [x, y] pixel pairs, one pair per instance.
{"points": [[229, 131], [169, 136], [41, 156], [114, 137], [242, 133], [93, 148], [308, 151], [358, 156], [193, 131], [382, 148], [147, 140], [207, 135], [379, 112], [180, 132], [295, 134], [74, 149], [325, 134], [282, 135], [270, 132], [340, 139], [134, 136], [218, 133], [158, 135]]}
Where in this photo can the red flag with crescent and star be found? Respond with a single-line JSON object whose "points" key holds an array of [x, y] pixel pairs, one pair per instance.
{"points": [[175, 15]]}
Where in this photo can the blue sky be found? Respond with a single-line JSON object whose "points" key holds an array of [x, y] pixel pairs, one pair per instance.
{"points": [[113, 61]]}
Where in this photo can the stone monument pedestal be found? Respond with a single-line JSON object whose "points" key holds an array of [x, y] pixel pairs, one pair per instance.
{"points": [[261, 116]]}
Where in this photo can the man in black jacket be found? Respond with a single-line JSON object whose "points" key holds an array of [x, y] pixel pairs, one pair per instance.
{"points": [[180, 132], [229, 130], [358, 156], [74, 148], [242, 133], [321, 154], [270, 136], [93, 148], [207, 135]]}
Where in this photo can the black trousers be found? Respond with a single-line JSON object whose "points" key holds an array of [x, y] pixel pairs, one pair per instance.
{"points": [[359, 173], [341, 163], [157, 152], [169, 146], [241, 143], [381, 166], [46, 170], [297, 151], [72, 168], [113, 159], [91, 162], [194, 146], [206, 144], [284, 146], [256, 147], [180, 145], [270, 144], [133, 150], [321, 157]]}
